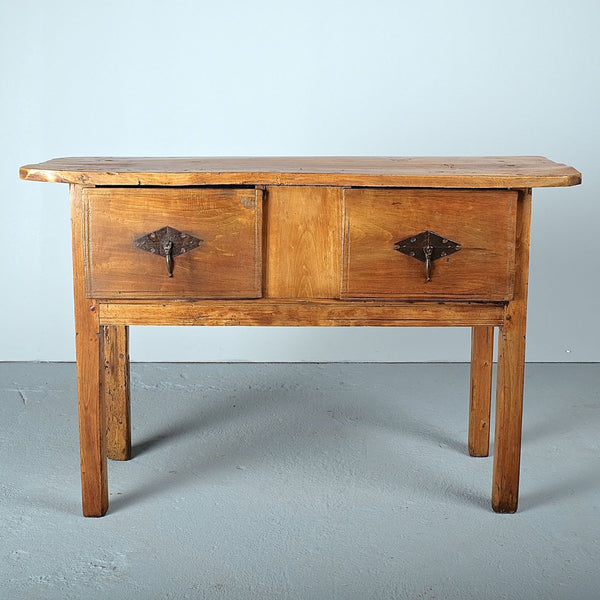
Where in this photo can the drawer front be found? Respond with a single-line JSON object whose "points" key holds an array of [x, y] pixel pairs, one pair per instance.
{"points": [[473, 257], [214, 237]]}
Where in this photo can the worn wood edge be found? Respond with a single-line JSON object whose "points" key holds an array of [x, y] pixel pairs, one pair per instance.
{"points": [[310, 179], [259, 194], [466, 296], [512, 244], [473, 180], [302, 313], [217, 295], [85, 242]]}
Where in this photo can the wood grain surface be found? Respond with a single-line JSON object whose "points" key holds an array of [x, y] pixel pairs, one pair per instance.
{"points": [[445, 172], [303, 241], [115, 354], [304, 313], [480, 399]]}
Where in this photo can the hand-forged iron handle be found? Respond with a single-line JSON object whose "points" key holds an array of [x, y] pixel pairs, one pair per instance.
{"points": [[428, 250], [168, 248]]}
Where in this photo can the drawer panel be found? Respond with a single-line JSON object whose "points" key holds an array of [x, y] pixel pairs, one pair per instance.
{"points": [[226, 263], [482, 222]]}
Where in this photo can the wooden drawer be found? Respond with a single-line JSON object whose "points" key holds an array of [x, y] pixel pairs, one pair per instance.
{"points": [[226, 263], [483, 222]]}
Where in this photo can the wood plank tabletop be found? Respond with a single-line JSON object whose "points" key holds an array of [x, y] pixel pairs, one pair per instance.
{"points": [[444, 172]]}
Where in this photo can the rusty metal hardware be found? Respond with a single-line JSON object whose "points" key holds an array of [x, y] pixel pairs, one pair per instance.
{"points": [[168, 242], [428, 251], [168, 247], [427, 246]]}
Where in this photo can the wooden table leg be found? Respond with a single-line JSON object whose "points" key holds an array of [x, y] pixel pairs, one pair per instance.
{"points": [[511, 372], [482, 361], [92, 439], [115, 354]]}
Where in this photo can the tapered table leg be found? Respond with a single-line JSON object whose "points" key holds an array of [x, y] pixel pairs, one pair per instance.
{"points": [[92, 440], [482, 361], [511, 371], [115, 353]]}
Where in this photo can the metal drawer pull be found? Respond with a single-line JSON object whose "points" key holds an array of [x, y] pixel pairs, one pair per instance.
{"points": [[427, 246], [428, 251], [168, 247], [168, 242]]}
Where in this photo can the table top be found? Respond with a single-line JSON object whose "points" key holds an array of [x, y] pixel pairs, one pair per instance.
{"points": [[441, 172]]}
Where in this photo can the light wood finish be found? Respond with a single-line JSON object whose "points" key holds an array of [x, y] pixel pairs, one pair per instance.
{"points": [[511, 372], [300, 242], [115, 352], [482, 362], [482, 222], [227, 264], [92, 439], [303, 242], [443, 172], [298, 313]]}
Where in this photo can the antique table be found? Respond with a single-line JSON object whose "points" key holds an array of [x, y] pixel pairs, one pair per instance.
{"points": [[300, 241]]}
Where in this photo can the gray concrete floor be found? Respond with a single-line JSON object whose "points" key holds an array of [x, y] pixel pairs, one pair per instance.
{"points": [[300, 481]]}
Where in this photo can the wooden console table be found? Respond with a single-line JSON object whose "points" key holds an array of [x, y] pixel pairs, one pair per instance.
{"points": [[300, 241]]}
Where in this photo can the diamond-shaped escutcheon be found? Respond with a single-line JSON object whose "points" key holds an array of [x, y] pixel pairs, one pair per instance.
{"points": [[168, 242], [427, 245]]}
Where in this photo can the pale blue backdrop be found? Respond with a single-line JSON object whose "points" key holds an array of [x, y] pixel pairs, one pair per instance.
{"points": [[317, 77]]}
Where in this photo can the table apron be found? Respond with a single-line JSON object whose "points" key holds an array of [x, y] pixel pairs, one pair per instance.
{"points": [[303, 313]]}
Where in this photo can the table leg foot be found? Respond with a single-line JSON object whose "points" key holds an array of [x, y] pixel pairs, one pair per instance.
{"points": [[90, 395], [92, 439], [509, 411], [511, 374]]}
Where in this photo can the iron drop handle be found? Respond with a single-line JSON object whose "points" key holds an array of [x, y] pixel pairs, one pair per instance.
{"points": [[168, 248], [428, 251]]}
